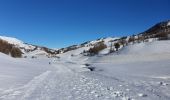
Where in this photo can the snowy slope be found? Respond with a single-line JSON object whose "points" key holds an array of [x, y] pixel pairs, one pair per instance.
{"points": [[137, 69], [16, 72], [147, 48], [16, 42], [136, 72], [11, 40], [88, 45], [74, 55]]}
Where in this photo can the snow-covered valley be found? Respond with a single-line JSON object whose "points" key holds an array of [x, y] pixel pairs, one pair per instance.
{"points": [[136, 72]]}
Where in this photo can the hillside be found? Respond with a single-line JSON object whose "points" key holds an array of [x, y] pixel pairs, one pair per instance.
{"points": [[28, 49], [160, 31]]}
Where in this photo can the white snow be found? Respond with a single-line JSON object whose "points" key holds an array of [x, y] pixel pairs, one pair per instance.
{"points": [[147, 48], [16, 72], [168, 23], [36, 53], [138, 72]]}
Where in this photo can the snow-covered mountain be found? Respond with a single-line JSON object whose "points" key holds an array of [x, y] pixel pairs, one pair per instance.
{"points": [[28, 49], [33, 50], [12, 40], [17, 42], [160, 31], [89, 44]]}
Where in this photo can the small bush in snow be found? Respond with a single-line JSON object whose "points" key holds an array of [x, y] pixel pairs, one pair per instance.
{"points": [[98, 47], [131, 39], [15, 52], [7, 48], [117, 46]]}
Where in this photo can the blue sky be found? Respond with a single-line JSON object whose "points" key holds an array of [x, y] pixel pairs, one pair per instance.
{"points": [[60, 23]]}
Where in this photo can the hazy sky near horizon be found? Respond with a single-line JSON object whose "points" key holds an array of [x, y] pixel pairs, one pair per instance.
{"points": [[60, 23]]}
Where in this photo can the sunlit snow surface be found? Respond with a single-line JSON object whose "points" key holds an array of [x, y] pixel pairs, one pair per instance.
{"points": [[137, 72], [168, 23]]}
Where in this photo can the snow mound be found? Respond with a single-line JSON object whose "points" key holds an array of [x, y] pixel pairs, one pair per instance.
{"points": [[147, 48], [4, 56]]}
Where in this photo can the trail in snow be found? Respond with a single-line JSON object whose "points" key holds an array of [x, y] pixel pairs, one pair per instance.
{"points": [[65, 83], [62, 84]]}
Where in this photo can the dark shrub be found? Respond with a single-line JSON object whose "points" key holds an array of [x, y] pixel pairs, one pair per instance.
{"points": [[117, 46], [16, 52], [131, 39], [162, 36], [98, 47], [7, 48]]}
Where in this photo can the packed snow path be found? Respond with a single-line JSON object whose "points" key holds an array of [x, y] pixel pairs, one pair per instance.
{"points": [[67, 82], [62, 84]]}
